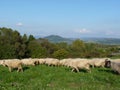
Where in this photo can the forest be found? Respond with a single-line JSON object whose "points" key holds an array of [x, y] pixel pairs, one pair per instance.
{"points": [[14, 45]]}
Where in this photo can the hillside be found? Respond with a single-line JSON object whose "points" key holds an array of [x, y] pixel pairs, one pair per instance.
{"points": [[109, 41], [57, 39]]}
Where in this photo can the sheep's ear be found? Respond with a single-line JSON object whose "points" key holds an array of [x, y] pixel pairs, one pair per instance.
{"points": [[107, 59]]}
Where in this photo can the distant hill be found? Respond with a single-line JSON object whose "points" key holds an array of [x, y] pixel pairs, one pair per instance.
{"points": [[108, 41], [57, 39]]}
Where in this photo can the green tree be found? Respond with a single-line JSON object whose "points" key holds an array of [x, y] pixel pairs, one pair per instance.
{"points": [[35, 50], [60, 54], [77, 48]]}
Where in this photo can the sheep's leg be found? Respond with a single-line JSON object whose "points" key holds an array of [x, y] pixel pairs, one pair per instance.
{"points": [[18, 70], [77, 69], [10, 69], [88, 69], [73, 69], [92, 66], [21, 69]]}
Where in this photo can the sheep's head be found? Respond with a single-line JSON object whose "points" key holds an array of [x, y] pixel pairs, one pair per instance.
{"points": [[3, 63], [107, 63]]}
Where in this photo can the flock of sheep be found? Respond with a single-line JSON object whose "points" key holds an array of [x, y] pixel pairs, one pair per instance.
{"points": [[75, 64]]}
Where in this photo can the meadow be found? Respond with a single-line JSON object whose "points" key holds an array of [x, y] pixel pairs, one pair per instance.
{"points": [[44, 77]]}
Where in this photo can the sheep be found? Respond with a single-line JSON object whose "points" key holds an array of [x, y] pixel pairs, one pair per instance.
{"points": [[116, 60], [65, 62], [79, 64], [1, 62], [13, 64], [30, 61], [113, 65], [97, 62], [52, 62], [41, 61]]}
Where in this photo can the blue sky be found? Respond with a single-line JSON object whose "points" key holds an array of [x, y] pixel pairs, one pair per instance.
{"points": [[67, 18]]}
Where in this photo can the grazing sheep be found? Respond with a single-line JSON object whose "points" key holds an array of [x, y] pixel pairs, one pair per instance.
{"points": [[116, 60], [1, 61], [79, 64], [13, 64], [113, 65], [97, 62], [30, 61], [52, 62], [65, 62], [41, 61]]}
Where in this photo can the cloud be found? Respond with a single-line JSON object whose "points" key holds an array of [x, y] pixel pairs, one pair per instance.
{"points": [[109, 32], [82, 31], [113, 33], [19, 24]]}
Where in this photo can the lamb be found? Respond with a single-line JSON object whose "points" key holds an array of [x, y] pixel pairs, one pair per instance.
{"points": [[113, 65], [13, 64]]}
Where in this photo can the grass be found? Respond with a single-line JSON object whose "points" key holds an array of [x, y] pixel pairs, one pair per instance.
{"points": [[42, 77]]}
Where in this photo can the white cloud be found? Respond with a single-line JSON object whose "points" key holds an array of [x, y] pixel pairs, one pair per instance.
{"points": [[82, 31], [19, 24], [113, 33]]}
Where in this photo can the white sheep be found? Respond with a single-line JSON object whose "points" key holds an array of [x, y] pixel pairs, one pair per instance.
{"points": [[52, 62], [13, 64], [97, 62], [41, 61], [79, 64], [113, 65], [65, 62], [30, 61], [1, 61], [115, 60]]}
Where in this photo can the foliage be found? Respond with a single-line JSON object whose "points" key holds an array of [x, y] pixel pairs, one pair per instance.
{"points": [[14, 45], [60, 54], [35, 50]]}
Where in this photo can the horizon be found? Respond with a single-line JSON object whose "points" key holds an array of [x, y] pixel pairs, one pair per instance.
{"points": [[66, 18], [37, 37]]}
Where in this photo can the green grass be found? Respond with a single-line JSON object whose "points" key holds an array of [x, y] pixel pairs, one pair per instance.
{"points": [[42, 77]]}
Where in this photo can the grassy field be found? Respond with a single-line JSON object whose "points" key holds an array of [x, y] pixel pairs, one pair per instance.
{"points": [[42, 77]]}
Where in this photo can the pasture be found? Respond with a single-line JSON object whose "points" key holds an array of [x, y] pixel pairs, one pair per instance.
{"points": [[44, 77]]}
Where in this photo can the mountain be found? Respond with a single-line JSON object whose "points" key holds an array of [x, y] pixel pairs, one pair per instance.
{"points": [[57, 39], [108, 41]]}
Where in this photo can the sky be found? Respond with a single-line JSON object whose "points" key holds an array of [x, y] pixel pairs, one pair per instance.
{"points": [[67, 18]]}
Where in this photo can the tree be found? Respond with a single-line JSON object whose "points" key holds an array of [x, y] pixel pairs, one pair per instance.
{"points": [[60, 54], [35, 50], [50, 47], [77, 48], [31, 38]]}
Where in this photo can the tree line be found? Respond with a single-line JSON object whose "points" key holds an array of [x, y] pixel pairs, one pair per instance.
{"points": [[15, 45]]}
